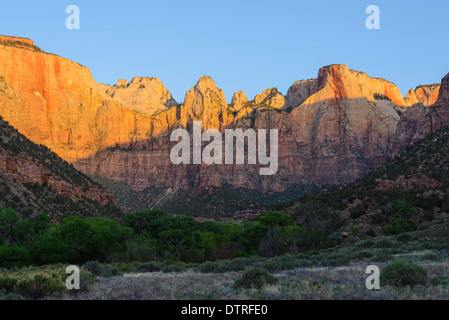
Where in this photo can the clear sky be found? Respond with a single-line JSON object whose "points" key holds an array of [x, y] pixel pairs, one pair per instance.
{"points": [[245, 45]]}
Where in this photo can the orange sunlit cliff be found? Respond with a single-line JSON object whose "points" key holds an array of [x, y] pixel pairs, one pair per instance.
{"points": [[332, 129]]}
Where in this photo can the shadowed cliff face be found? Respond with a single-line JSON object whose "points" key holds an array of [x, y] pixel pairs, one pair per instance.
{"points": [[332, 129], [418, 121]]}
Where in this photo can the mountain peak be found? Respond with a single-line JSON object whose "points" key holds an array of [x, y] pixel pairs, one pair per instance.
{"points": [[351, 84], [205, 82], [410, 98], [205, 102], [271, 98], [146, 95]]}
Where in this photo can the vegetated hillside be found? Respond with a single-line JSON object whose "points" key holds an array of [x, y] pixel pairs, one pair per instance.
{"points": [[33, 179], [220, 204], [409, 190]]}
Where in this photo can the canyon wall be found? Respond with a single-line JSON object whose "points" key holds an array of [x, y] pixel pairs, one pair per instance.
{"points": [[332, 129]]}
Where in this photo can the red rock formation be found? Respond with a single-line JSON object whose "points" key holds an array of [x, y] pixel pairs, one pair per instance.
{"points": [[56, 102], [16, 40], [342, 130], [338, 134], [426, 95], [300, 91], [28, 170], [145, 95], [418, 121]]}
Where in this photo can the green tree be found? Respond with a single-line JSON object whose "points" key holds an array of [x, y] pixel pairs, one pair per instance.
{"points": [[8, 220]]}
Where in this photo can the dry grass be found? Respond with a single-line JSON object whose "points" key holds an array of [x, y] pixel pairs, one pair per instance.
{"points": [[329, 283]]}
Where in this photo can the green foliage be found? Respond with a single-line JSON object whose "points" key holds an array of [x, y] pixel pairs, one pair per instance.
{"points": [[276, 218], [382, 256], [79, 240], [94, 266], [403, 273], [15, 256], [255, 278], [7, 283], [402, 208], [355, 230], [173, 268], [430, 257], [139, 221], [38, 287], [35, 283], [399, 226], [111, 271], [8, 219], [149, 267]]}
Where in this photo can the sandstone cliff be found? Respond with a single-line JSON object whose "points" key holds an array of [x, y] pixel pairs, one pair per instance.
{"points": [[332, 129], [205, 103], [56, 102], [16, 41], [427, 95], [144, 95], [338, 134], [270, 98], [239, 101], [419, 121], [300, 91]]}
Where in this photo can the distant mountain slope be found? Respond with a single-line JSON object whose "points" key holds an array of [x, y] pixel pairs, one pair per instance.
{"points": [[215, 203], [33, 179], [414, 187], [424, 164]]}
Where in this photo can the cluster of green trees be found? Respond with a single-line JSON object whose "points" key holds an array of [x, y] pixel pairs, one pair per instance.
{"points": [[142, 236], [37, 241]]}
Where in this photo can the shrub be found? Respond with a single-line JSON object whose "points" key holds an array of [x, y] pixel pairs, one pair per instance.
{"points": [[149, 267], [437, 281], [95, 267], [273, 244], [335, 259], [173, 267], [206, 267], [357, 212], [399, 226], [7, 283], [430, 256], [39, 287], [86, 281], [387, 243], [382, 256], [4, 295], [238, 264], [403, 273], [404, 237], [255, 278], [355, 230], [111, 271]]}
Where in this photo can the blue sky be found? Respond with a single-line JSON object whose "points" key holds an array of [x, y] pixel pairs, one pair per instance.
{"points": [[245, 45]]}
